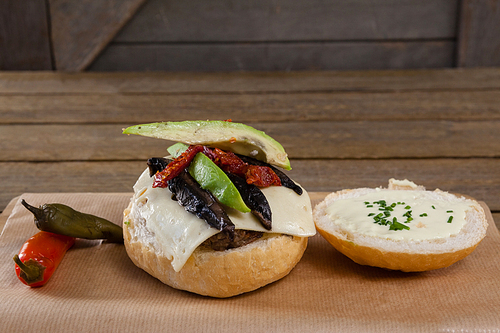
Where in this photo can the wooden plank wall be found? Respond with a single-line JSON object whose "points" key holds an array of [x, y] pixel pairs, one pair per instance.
{"points": [[24, 35], [230, 35]]}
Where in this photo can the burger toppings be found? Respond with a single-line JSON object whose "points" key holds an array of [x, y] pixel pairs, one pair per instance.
{"points": [[228, 136], [157, 164], [254, 199], [284, 179], [200, 202], [221, 241], [211, 177], [231, 179], [175, 167], [225, 184]]}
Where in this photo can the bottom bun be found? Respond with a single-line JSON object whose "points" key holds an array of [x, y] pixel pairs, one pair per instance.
{"points": [[219, 273]]}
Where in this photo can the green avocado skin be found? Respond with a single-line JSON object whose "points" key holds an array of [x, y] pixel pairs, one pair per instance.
{"points": [[236, 137]]}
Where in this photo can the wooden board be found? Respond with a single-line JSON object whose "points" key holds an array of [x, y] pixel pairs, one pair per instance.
{"points": [[30, 83], [24, 35], [74, 108], [346, 139], [81, 29], [215, 57], [293, 35], [295, 20], [478, 43]]}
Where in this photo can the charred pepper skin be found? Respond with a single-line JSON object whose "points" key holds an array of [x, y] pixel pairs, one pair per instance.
{"points": [[64, 220], [40, 256]]}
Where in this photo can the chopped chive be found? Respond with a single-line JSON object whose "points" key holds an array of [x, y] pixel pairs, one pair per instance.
{"points": [[398, 226], [433, 207], [423, 214], [408, 207], [449, 211], [369, 205], [450, 219], [371, 214]]}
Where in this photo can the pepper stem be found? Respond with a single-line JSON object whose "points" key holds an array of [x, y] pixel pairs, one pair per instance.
{"points": [[39, 214], [30, 273]]}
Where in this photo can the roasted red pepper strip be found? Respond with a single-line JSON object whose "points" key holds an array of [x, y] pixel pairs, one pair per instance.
{"points": [[175, 167], [229, 162], [40, 256], [261, 176]]}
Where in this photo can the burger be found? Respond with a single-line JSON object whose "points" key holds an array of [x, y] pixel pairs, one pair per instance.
{"points": [[217, 215]]}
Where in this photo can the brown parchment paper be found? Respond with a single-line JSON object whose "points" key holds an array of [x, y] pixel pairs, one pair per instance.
{"points": [[98, 289]]}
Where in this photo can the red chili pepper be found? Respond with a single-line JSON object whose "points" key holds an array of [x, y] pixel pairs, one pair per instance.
{"points": [[40, 256], [175, 167]]}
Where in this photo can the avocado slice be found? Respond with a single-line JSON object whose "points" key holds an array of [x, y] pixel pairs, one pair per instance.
{"points": [[236, 137], [213, 179]]}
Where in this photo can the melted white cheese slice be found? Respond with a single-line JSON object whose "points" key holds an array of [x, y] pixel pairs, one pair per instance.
{"points": [[434, 215], [178, 233]]}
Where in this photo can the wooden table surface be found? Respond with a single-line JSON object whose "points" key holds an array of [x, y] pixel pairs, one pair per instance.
{"points": [[61, 132]]}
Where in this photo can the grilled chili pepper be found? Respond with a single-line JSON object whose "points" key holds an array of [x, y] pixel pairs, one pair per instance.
{"points": [[39, 257], [64, 220]]}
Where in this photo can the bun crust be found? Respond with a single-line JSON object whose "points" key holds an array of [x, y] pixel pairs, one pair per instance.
{"points": [[219, 273], [407, 256]]}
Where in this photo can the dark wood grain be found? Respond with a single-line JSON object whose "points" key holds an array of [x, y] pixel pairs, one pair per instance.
{"points": [[110, 108], [81, 29], [316, 20], [30, 83], [479, 31], [213, 57], [24, 35]]}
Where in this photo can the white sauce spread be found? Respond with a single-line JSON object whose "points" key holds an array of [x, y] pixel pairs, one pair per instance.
{"points": [[424, 214], [178, 233]]}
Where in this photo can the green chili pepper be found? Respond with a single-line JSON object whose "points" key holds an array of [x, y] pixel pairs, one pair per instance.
{"points": [[64, 220]]}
